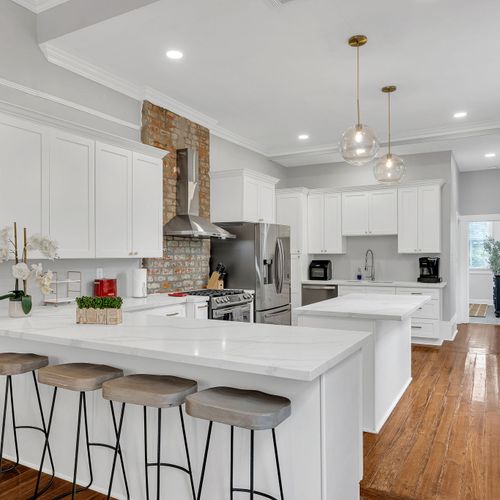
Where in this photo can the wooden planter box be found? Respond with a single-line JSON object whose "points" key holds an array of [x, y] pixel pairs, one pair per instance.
{"points": [[99, 316]]}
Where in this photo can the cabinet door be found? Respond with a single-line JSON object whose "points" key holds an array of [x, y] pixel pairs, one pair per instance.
{"points": [[290, 211], [315, 223], [267, 203], [147, 206], [296, 274], [408, 220], [201, 310], [429, 219], [383, 212], [334, 241], [71, 199], [355, 219], [23, 176], [113, 201], [251, 201]]}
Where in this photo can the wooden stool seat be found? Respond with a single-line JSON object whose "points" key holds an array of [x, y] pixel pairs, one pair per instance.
{"points": [[14, 363], [155, 391], [80, 377], [253, 410]]}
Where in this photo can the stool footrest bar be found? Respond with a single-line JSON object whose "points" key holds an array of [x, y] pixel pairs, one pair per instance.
{"points": [[255, 492]]}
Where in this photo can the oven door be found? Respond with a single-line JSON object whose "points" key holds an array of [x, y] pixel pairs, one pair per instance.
{"points": [[242, 313]]}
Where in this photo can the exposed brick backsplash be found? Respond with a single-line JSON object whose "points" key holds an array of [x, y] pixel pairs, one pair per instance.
{"points": [[185, 260]]}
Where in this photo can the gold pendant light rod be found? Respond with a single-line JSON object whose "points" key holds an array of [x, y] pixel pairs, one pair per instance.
{"points": [[389, 89], [357, 41]]}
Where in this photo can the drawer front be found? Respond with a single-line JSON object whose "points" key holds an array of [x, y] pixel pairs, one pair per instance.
{"points": [[388, 290], [429, 310], [169, 312], [433, 292], [346, 289], [425, 329]]}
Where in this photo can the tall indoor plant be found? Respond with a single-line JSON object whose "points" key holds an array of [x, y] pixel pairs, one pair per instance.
{"points": [[492, 248], [20, 302]]}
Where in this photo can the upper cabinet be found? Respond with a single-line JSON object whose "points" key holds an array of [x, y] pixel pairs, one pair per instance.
{"points": [[324, 216], [291, 210], [71, 195], [419, 219], [242, 196], [92, 198], [370, 212]]}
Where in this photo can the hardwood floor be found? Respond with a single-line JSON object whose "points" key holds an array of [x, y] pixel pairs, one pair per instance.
{"points": [[443, 439], [441, 442]]}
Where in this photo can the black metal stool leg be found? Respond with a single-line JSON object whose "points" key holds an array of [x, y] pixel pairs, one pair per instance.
{"points": [[158, 456], [8, 398], [14, 426], [193, 491], [278, 464], [202, 477], [77, 446], [146, 451], [231, 473], [252, 444], [118, 431], [46, 445]]}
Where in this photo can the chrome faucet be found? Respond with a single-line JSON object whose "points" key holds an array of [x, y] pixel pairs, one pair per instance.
{"points": [[371, 266]]}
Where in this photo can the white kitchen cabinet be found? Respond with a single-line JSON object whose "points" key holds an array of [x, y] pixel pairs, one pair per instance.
{"points": [[370, 212], [324, 216], [173, 311], [291, 210], [147, 206], [23, 175], [242, 195], [113, 201], [71, 195], [200, 310], [419, 219]]}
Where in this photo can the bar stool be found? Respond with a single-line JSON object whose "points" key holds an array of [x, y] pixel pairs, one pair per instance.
{"points": [[81, 378], [252, 410], [151, 391], [12, 364]]}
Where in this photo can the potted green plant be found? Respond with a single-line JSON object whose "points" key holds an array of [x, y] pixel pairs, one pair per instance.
{"points": [[99, 310], [492, 248], [20, 302]]}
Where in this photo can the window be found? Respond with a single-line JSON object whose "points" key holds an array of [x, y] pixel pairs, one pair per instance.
{"points": [[479, 232]]}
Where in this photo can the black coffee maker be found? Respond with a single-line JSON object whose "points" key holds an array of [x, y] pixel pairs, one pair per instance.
{"points": [[429, 270]]}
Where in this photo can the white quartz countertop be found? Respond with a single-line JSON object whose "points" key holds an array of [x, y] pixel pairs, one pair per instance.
{"points": [[297, 353], [158, 300], [396, 284], [367, 306]]}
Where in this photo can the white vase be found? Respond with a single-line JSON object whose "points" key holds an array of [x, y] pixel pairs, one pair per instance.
{"points": [[16, 309]]}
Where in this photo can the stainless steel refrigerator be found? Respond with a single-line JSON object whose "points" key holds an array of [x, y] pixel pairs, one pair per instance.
{"points": [[259, 259]]}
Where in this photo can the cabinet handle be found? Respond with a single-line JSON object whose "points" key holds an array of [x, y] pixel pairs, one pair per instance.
{"points": [[417, 327], [416, 293], [203, 307], [172, 314]]}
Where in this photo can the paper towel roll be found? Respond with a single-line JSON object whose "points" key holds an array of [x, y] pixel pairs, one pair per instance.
{"points": [[140, 283]]}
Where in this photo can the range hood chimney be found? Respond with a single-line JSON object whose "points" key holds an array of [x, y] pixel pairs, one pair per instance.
{"points": [[187, 222]]}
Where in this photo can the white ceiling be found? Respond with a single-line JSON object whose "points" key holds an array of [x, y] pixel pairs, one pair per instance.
{"points": [[268, 73]]}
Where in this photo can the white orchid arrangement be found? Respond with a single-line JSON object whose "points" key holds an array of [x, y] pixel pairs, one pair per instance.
{"points": [[21, 271]]}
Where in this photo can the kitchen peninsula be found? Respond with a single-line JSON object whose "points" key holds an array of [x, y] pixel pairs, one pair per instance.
{"points": [[387, 353], [319, 370]]}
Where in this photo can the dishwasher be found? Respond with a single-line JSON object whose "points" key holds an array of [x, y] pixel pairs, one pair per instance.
{"points": [[317, 293]]}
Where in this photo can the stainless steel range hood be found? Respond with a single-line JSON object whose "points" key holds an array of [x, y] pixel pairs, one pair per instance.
{"points": [[188, 222]]}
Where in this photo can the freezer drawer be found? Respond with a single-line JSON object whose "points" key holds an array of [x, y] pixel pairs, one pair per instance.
{"points": [[278, 316], [318, 293]]}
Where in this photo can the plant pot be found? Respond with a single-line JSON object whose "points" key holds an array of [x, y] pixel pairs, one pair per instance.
{"points": [[99, 316], [16, 308]]}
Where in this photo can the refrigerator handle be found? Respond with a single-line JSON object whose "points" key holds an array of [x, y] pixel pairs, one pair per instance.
{"points": [[279, 267]]}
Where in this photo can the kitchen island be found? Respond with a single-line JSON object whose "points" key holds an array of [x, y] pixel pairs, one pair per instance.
{"points": [[387, 353], [319, 370]]}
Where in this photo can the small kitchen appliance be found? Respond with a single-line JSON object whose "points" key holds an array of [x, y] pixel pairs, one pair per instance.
{"points": [[228, 305], [140, 283], [320, 270], [429, 270], [105, 288]]}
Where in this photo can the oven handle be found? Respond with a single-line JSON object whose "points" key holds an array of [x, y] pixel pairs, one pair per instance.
{"points": [[319, 287], [225, 310]]}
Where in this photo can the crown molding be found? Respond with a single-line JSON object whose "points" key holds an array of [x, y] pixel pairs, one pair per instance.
{"points": [[38, 6]]}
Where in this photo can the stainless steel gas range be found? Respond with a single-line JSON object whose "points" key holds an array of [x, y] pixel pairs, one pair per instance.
{"points": [[228, 305]]}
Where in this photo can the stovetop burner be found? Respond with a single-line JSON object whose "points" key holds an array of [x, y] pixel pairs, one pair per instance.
{"points": [[215, 293]]}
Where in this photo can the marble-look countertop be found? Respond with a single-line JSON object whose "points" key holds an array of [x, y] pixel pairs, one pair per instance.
{"points": [[367, 306], [394, 284], [297, 353]]}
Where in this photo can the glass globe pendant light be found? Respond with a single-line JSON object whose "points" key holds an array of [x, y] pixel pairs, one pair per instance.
{"points": [[389, 169], [358, 144]]}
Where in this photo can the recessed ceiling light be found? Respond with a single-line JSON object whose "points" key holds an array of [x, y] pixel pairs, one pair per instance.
{"points": [[303, 137], [175, 54], [490, 155], [460, 114]]}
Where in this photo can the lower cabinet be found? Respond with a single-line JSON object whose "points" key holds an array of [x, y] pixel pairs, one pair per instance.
{"points": [[197, 310], [174, 311]]}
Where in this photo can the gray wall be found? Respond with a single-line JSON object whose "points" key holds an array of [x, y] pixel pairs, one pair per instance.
{"points": [[479, 192], [22, 62], [225, 155], [389, 264]]}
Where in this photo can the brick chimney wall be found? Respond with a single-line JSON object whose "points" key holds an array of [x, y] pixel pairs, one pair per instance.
{"points": [[185, 260]]}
